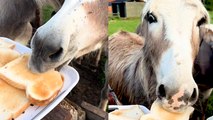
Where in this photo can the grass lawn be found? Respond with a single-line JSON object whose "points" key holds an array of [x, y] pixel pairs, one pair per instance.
{"points": [[116, 24], [211, 15], [130, 24]]}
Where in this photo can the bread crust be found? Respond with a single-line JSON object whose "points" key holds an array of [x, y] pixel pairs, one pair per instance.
{"points": [[5, 44], [7, 55]]}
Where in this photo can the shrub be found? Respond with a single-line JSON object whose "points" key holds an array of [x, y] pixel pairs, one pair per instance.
{"points": [[209, 4], [209, 111]]}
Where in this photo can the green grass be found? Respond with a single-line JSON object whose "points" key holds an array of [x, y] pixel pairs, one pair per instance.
{"points": [[46, 13], [129, 24], [116, 24], [211, 15]]}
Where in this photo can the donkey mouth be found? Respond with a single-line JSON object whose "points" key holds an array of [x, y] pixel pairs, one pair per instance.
{"points": [[42, 69], [62, 65], [176, 107]]}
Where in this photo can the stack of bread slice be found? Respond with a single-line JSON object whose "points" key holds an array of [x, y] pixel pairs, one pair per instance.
{"points": [[4, 44], [19, 87], [7, 55]]}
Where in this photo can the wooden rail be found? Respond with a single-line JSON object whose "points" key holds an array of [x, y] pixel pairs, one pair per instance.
{"points": [[68, 110]]}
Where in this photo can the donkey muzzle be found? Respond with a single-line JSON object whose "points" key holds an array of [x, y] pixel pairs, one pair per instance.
{"points": [[176, 100]]}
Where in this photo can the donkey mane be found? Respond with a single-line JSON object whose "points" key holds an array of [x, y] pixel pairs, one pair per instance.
{"points": [[129, 68]]}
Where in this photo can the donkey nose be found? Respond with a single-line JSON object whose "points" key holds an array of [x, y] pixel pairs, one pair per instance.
{"points": [[177, 95], [194, 96], [161, 91], [54, 55], [47, 48], [51, 51]]}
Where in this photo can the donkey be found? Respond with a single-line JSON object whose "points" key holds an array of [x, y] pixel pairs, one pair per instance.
{"points": [[16, 16], [79, 27], [203, 67], [159, 64]]}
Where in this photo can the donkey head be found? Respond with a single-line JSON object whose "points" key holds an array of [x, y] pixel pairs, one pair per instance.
{"points": [[171, 29], [76, 29]]}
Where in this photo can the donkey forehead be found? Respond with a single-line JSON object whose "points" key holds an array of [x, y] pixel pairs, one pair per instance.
{"points": [[176, 8], [178, 17]]}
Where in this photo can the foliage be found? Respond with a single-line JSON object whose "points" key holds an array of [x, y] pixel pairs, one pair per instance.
{"points": [[209, 4], [209, 111], [46, 13], [211, 16]]}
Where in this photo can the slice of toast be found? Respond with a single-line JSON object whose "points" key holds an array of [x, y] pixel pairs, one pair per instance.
{"points": [[159, 113], [40, 88], [132, 113], [7, 55], [13, 101], [5, 44], [119, 117]]}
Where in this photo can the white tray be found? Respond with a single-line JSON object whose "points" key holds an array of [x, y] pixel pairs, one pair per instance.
{"points": [[71, 78], [143, 108]]}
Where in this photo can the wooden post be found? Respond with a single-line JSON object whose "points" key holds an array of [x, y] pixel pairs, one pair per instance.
{"points": [[93, 112]]}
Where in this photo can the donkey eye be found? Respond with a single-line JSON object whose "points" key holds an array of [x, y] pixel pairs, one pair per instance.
{"points": [[201, 21], [150, 17]]}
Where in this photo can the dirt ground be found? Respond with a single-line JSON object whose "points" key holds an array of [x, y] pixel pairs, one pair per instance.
{"points": [[92, 78], [89, 87]]}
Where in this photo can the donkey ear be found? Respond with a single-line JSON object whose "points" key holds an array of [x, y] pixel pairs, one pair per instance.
{"points": [[139, 30], [206, 34], [203, 66]]}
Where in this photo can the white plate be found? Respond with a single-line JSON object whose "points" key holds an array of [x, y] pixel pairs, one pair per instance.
{"points": [[120, 107], [71, 78]]}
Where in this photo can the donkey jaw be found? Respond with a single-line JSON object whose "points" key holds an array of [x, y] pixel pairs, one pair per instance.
{"points": [[62, 65]]}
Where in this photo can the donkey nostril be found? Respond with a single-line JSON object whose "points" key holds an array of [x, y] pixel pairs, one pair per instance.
{"points": [[161, 91], [55, 55], [194, 95]]}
